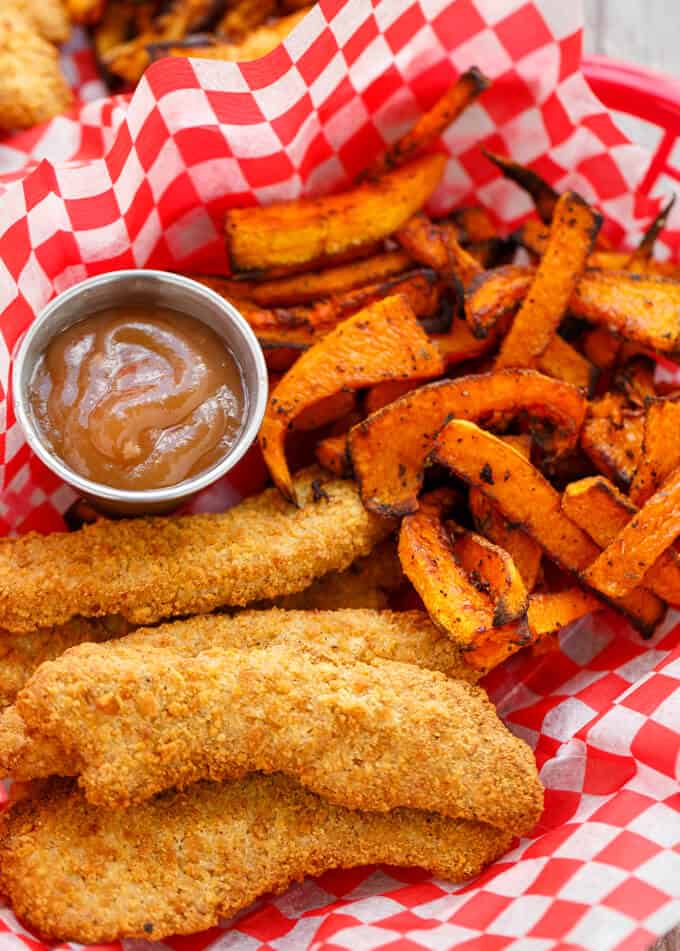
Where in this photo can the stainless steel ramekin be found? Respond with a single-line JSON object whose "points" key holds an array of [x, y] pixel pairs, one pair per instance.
{"points": [[159, 289]]}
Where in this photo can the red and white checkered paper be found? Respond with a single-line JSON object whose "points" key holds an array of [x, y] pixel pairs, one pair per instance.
{"points": [[144, 181]]}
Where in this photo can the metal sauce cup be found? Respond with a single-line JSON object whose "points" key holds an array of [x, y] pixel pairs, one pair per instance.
{"points": [[159, 289]]}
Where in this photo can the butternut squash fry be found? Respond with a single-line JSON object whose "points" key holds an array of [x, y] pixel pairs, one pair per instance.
{"points": [[427, 558], [635, 379], [492, 295], [332, 453], [300, 231], [389, 449], [602, 511], [572, 235], [382, 342], [645, 249], [601, 347], [384, 393], [436, 120], [524, 551], [562, 361], [474, 224], [493, 569], [436, 245], [544, 196], [612, 438], [626, 560], [525, 497], [532, 235], [660, 450], [460, 345], [327, 410]]}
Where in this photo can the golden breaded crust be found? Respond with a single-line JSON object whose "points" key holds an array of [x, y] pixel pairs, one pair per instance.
{"points": [[22, 654], [366, 736], [148, 569], [405, 636], [48, 17], [178, 863], [32, 88]]}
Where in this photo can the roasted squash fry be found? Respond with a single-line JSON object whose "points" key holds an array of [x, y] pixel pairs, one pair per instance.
{"points": [[601, 347], [436, 120], [244, 16], [626, 560], [660, 449], [326, 411], [524, 551], [474, 224], [85, 11], [572, 235], [307, 288], [389, 449], [492, 295], [437, 246], [301, 231], [384, 393], [490, 567], [645, 249], [460, 345], [602, 511], [382, 342], [562, 361], [612, 438], [333, 454], [636, 380], [527, 498], [544, 196], [427, 558], [533, 236], [257, 43]]}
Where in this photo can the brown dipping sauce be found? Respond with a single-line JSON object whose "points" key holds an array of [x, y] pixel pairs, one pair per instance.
{"points": [[138, 397]]}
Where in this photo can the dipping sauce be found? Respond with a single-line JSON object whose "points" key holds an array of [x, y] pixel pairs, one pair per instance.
{"points": [[138, 397]]}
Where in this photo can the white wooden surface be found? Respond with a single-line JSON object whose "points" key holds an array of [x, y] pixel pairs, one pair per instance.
{"points": [[643, 31]]}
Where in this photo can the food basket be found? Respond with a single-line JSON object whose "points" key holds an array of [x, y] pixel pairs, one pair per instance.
{"points": [[92, 192]]}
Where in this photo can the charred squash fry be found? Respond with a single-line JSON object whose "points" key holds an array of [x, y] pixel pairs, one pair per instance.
{"points": [[601, 347], [642, 308], [645, 249], [525, 497], [437, 246], [524, 551], [492, 568], [436, 120], [390, 471], [547, 614], [533, 236], [255, 44], [243, 16], [636, 380], [300, 231], [492, 295], [85, 11], [459, 344], [612, 438], [381, 342], [544, 196], [660, 449], [626, 560], [427, 558], [562, 361], [307, 288], [572, 235], [474, 224], [332, 454], [390, 448], [602, 511]]}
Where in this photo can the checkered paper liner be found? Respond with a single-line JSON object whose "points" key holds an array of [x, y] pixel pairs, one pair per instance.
{"points": [[144, 181]]}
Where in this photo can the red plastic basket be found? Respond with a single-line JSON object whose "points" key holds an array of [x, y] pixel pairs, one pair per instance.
{"points": [[644, 94]]}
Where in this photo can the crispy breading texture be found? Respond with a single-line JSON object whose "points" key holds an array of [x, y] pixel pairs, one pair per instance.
{"points": [[179, 863], [367, 736], [300, 231], [48, 17], [153, 568], [390, 448], [32, 88], [572, 234], [382, 342]]}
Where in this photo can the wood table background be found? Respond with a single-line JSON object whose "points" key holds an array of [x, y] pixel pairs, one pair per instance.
{"points": [[646, 32]]}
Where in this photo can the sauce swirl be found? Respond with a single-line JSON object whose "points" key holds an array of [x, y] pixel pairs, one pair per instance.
{"points": [[138, 397]]}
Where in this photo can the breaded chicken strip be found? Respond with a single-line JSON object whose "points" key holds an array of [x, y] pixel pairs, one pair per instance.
{"points": [[366, 736], [178, 863], [48, 17], [32, 87], [148, 569], [22, 654], [405, 636]]}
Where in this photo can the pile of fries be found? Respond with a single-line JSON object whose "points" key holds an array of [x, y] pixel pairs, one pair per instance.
{"points": [[507, 413], [127, 35]]}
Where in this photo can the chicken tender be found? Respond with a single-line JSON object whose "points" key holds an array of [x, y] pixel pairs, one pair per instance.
{"points": [[48, 17], [405, 636], [32, 87], [153, 568], [178, 863], [22, 654], [366, 736]]}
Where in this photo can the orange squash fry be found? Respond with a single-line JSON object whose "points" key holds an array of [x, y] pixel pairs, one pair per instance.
{"points": [[601, 347], [635, 379], [525, 497], [612, 437], [562, 361], [544, 196], [300, 231], [309, 287], [645, 248], [474, 224], [326, 410], [427, 558], [460, 344], [533, 235], [436, 245], [524, 551], [384, 393], [389, 449], [382, 342], [430, 126], [493, 569], [660, 450], [602, 511], [572, 235], [627, 559], [333, 455]]}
